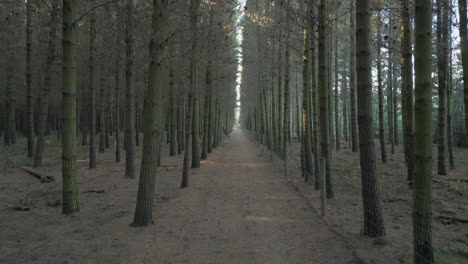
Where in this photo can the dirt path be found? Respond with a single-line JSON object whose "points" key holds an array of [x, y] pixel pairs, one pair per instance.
{"points": [[239, 209]]}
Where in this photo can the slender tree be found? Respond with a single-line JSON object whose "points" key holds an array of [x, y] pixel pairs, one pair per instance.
{"points": [[442, 66], [70, 191], [352, 78], [380, 88], [188, 145], [464, 54], [306, 106], [323, 94], [196, 153], [153, 126], [44, 98], [129, 95], [373, 218], [92, 93], [422, 194], [29, 91]]}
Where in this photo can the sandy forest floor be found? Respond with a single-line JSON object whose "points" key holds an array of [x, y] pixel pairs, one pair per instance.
{"points": [[239, 209]]}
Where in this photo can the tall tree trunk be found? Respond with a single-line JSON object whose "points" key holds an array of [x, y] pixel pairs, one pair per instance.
{"points": [[44, 105], [70, 191], [464, 51], [337, 113], [306, 113], [129, 96], [117, 104], [442, 65], [194, 6], [344, 99], [92, 94], [153, 128], [380, 89], [407, 89], [29, 92], [314, 100], [373, 218], [323, 95], [352, 79], [102, 123], [422, 194], [286, 114], [188, 145], [391, 126], [172, 114], [180, 123], [449, 93]]}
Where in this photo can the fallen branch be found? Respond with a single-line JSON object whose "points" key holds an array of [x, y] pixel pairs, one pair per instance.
{"points": [[453, 219], [39, 175], [95, 191]]}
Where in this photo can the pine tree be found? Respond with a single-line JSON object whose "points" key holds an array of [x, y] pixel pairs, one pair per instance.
{"points": [[70, 191], [373, 218], [92, 93], [380, 88], [129, 95], [422, 194], [44, 98], [323, 90], [464, 54], [153, 126]]}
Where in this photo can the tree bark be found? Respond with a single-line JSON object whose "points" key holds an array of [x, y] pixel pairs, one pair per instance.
{"points": [[70, 191], [153, 128], [44, 105], [373, 218], [29, 92], [442, 66], [323, 90], [422, 193], [129, 96], [464, 51], [92, 94], [352, 79], [383, 153]]}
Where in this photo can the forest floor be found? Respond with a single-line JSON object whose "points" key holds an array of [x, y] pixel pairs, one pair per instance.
{"points": [[239, 208]]}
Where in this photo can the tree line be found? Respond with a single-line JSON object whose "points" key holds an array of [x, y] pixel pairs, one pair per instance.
{"points": [[116, 71], [354, 74]]}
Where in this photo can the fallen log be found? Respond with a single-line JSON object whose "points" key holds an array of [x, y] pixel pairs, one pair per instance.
{"points": [[39, 175], [453, 219]]}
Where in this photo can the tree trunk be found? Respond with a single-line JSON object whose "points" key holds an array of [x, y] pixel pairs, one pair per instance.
{"points": [[153, 128], [286, 114], [422, 194], [373, 219], [92, 94], [464, 51], [380, 89], [70, 191], [337, 113], [390, 82], [102, 123], [194, 6], [407, 89], [172, 114], [44, 105], [442, 65], [188, 139], [129, 96], [306, 117], [314, 100], [352, 79], [29, 92], [323, 95]]}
